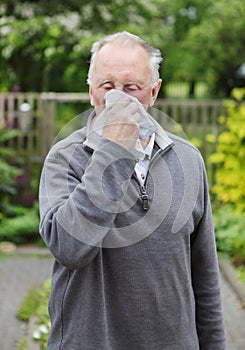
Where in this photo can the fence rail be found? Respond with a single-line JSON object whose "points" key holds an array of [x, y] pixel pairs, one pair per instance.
{"points": [[196, 120]]}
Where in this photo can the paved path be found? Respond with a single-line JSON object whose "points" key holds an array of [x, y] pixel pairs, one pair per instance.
{"points": [[234, 316], [19, 273]]}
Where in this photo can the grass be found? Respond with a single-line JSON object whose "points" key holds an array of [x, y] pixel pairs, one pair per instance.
{"points": [[36, 304], [29, 305], [241, 273]]}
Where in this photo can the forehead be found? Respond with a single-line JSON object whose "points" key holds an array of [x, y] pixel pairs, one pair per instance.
{"points": [[121, 60]]}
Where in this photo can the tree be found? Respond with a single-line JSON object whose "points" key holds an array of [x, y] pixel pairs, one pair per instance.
{"points": [[215, 47], [33, 45], [45, 45]]}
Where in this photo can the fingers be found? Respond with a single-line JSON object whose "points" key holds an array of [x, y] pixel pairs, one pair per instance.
{"points": [[121, 124], [124, 111]]}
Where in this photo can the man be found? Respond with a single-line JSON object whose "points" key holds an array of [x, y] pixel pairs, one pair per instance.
{"points": [[125, 211]]}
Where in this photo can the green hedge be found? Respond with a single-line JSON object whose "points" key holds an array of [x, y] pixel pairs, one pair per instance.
{"points": [[230, 233], [21, 225], [230, 155]]}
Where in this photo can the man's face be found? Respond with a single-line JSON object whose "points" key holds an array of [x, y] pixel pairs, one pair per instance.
{"points": [[123, 68]]}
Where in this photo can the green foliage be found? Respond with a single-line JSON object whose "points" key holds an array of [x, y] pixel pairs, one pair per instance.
{"points": [[67, 112], [230, 233], [230, 156], [210, 47], [21, 225], [18, 224], [22, 344], [8, 169], [43, 316], [29, 305], [45, 45], [8, 172], [241, 273], [36, 304]]}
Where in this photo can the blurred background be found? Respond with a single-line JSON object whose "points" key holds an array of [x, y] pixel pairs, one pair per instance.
{"points": [[45, 44], [45, 51]]}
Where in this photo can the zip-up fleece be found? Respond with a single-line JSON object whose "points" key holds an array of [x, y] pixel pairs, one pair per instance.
{"points": [[128, 276]]}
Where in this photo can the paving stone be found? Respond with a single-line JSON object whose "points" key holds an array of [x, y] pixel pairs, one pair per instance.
{"points": [[234, 315], [17, 276]]}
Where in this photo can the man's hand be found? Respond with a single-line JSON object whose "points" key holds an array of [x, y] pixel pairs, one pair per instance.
{"points": [[121, 123]]}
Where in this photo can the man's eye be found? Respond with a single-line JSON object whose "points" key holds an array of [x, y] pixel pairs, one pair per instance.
{"points": [[107, 86], [131, 87]]}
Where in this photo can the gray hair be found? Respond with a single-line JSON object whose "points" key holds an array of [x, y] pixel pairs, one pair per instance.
{"points": [[127, 39]]}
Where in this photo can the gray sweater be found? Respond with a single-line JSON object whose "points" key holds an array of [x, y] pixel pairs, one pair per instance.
{"points": [[127, 276]]}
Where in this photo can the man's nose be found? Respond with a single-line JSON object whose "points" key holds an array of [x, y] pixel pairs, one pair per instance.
{"points": [[119, 87]]}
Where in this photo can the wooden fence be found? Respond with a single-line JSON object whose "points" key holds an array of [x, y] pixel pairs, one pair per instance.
{"points": [[35, 115]]}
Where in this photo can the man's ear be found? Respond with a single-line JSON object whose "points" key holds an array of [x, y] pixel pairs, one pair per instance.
{"points": [[91, 96], [155, 91]]}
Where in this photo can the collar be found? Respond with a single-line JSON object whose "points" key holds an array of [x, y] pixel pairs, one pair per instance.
{"points": [[149, 148]]}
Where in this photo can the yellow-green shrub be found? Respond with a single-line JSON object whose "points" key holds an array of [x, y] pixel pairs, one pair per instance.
{"points": [[230, 155]]}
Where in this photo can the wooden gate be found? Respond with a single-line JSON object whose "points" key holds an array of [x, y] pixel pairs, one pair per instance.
{"points": [[27, 113]]}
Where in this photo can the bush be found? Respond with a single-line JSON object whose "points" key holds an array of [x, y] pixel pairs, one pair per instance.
{"points": [[21, 225], [229, 176], [19, 219], [8, 169], [230, 234]]}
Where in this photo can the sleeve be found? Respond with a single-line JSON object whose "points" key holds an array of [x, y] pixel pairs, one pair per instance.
{"points": [[77, 212], [205, 279]]}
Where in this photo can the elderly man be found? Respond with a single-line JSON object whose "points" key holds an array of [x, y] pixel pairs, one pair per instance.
{"points": [[125, 211]]}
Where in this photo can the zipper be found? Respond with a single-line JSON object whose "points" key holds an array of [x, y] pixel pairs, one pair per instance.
{"points": [[143, 189], [144, 197]]}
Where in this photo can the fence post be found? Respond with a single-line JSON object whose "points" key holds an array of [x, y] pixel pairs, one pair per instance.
{"points": [[48, 111], [2, 110]]}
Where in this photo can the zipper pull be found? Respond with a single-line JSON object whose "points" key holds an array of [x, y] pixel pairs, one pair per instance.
{"points": [[144, 197]]}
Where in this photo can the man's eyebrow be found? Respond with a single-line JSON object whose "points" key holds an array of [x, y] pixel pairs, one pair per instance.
{"points": [[141, 84], [103, 81], [138, 83]]}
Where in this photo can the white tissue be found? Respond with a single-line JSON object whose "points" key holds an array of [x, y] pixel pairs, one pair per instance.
{"points": [[145, 124], [147, 128]]}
